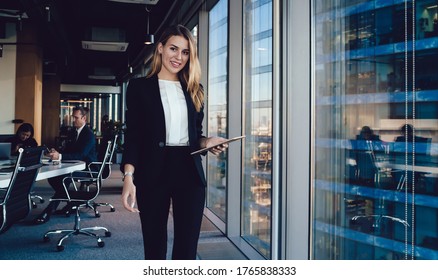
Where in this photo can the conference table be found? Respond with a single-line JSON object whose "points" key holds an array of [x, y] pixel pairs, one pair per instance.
{"points": [[48, 170], [409, 167]]}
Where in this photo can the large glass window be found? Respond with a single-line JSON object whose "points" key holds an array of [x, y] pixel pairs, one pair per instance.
{"points": [[375, 184], [256, 196], [217, 106]]}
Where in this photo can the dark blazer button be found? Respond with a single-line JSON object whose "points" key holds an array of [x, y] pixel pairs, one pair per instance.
{"points": [[161, 144]]}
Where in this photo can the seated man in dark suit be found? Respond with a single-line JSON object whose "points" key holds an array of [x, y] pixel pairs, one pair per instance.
{"points": [[408, 130], [422, 145], [80, 146], [422, 151]]}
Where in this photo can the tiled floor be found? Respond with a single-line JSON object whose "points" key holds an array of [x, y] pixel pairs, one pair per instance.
{"points": [[213, 245]]}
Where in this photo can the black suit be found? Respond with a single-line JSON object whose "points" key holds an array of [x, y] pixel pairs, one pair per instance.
{"points": [[84, 148], [163, 173], [29, 142], [421, 151], [145, 116]]}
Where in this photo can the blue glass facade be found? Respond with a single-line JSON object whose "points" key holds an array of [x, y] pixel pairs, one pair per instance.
{"points": [[376, 130]]}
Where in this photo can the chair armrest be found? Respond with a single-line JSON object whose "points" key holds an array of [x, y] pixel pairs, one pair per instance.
{"points": [[79, 179], [73, 180], [97, 163], [94, 163], [80, 173]]}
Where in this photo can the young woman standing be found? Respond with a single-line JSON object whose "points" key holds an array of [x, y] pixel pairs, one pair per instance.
{"points": [[159, 172]]}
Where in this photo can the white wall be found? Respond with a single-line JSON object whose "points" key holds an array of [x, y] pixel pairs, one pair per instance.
{"points": [[7, 80]]}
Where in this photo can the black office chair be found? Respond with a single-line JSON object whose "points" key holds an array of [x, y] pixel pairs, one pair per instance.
{"points": [[80, 199], [105, 174], [15, 201], [34, 198]]}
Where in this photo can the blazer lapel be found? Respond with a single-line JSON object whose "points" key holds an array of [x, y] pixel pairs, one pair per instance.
{"points": [[157, 109]]}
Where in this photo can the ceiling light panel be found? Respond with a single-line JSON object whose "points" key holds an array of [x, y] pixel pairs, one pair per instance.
{"points": [[105, 46]]}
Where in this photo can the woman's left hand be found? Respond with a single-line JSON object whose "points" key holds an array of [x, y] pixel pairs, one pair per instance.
{"points": [[213, 142]]}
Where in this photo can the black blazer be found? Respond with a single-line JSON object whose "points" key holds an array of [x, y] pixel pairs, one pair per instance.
{"points": [[145, 137], [82, 149], [29, 142]]}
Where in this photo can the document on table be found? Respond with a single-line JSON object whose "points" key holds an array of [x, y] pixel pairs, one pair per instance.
{"points": [[224, 142]]}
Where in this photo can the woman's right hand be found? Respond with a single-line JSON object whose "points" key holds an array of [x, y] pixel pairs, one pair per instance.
{"points": [[18, 147], [128, 195]]}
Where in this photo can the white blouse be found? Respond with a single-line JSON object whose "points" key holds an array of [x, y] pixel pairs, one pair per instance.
{"points": [[175, 113]]}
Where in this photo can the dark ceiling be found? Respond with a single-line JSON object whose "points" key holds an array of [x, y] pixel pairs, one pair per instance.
{"points": [[64, 24]]}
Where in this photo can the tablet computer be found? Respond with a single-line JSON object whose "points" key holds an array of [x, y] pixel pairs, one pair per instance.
{"points": [[224, 142]]}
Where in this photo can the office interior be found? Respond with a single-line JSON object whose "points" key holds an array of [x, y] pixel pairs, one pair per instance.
{"points": [[307, 83]]}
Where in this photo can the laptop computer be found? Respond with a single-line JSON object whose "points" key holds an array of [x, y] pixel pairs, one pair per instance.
{"points": [[7, 162], [5, 151]]}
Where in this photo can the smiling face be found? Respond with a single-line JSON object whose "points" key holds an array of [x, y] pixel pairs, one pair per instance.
{"points": [[174, 57]]}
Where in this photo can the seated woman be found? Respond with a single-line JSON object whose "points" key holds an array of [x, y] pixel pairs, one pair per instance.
{"points": [[23, 138]]}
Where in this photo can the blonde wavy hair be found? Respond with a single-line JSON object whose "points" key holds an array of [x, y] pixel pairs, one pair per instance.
{"points": [[190, 75]]}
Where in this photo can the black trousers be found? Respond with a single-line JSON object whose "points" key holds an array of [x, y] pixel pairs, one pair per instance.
{"points": [[178, 186]]}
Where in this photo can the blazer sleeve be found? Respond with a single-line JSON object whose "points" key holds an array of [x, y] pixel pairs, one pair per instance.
{"points": [[133, 118], [31, 143], [199, 129], [85, 148]]}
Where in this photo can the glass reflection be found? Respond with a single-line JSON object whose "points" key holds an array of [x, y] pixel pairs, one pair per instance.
{"points": [[217, 106], [256, 204], [376, 116]]}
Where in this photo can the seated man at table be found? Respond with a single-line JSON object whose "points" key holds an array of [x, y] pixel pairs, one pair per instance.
{"points": [[420, 152], [80, 146]]}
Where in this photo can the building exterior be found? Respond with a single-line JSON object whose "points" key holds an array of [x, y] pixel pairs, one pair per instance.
{"points": [[375, 196]]}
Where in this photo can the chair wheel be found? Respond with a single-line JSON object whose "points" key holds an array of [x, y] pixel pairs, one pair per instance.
{"points": [[101, 243], [108, 234], [34, 205], [97, 215], [42, 200], [60, 248], [113, 209], [46, 239]]}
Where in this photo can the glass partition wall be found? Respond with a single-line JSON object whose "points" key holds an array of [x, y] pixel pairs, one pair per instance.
{"points": [[375, 191], [102, 107], [104, 115], [217, 106], [257, 95]]}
